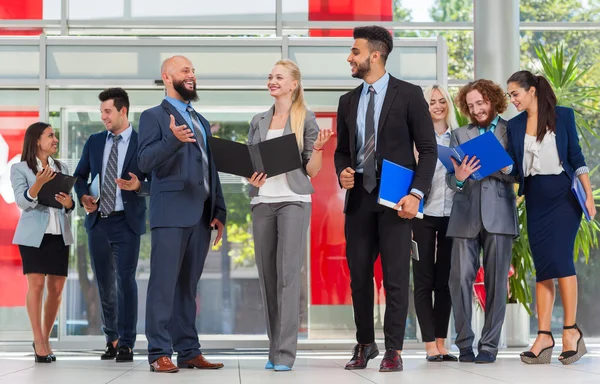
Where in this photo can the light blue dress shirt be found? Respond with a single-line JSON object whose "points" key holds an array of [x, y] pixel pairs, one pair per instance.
{"points": [[380, 87], [121, 153], [181, 107]]}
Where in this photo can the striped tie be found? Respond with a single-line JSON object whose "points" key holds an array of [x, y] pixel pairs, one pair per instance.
{"points": [[369, 175], [109, 185], [200, 140]]}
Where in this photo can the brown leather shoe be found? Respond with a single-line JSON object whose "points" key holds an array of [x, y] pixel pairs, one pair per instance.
{"points": [[392, 362], [163, 365], [199, 362], [362, 354]]}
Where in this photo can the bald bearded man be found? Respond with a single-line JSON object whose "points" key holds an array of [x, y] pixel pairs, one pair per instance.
{"points": [[186, 201]]}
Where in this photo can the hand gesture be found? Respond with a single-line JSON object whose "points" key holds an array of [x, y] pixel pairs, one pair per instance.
{"points": [[132, 184], [219, 227], [347, 178], [44, 175], [89, 203], [257, 179], [324, 135], [466, 168], [408, 207], [65, 200], [181, 132]]}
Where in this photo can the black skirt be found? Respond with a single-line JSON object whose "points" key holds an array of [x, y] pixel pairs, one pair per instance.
{"points": [[51, 258]]}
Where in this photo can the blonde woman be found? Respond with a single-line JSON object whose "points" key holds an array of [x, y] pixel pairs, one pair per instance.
{"points": [[432, 270], [281, 208]]}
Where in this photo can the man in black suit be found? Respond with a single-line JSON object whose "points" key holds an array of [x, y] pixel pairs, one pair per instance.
{"points": [[116, 221], [381, 119]]}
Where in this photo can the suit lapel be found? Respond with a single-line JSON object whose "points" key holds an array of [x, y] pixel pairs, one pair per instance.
{"points": [[98, 151], [264, 123], [390, 96], [500, 130], [473, 131], [131, 149], [351, 123]]}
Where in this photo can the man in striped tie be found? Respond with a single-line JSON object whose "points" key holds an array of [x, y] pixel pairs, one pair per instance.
{"points": [[381, 119], [186, 202]]}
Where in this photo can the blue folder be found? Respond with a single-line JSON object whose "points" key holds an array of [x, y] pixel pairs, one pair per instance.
{"points": [[579, 193], [492, 156], [395, 183]]}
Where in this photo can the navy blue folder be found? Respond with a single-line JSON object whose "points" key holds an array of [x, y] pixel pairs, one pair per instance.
{"points": [[492, 156], [396, 182], [579, 193]]}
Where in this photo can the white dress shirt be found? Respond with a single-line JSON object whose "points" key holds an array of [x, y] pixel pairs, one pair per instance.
{"points": [[439, 201], [53, 227], [121, 152], [541, 158]]}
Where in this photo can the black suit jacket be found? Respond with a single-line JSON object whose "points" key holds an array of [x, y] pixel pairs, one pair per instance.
{"points": [[134, 204], [404, 122]]}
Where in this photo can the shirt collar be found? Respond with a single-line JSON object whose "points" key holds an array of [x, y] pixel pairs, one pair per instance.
{"points": [[379, 85], [125, 135], [50, 162], [493, 124], [181, 106], [445, 134]]}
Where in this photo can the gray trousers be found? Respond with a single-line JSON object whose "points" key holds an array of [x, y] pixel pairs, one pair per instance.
{"points": [[497, 254], [280, 233]]}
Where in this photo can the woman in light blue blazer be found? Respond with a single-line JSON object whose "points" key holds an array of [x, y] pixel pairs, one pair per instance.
{"points": [[43, 233], [281, 208]]}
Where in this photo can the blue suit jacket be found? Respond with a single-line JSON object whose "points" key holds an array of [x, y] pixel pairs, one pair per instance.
{"points": [[91, 164], [567, 143], [177, 194]]}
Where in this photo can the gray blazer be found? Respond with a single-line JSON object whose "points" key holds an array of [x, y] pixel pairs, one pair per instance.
{"points": [[34, 217], [490, 202], [297, 179]]}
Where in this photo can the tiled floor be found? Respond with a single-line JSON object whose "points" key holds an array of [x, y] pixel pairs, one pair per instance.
{"points": [[313, 367]]}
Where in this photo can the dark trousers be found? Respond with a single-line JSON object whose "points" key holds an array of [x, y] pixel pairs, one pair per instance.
{"points": [[430, 276], [372, 229], [176, 263], [114, 252]]}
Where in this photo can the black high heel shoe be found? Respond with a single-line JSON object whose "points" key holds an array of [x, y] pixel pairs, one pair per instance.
{"points": [[569, 357], [40, 359], [543, 357]]}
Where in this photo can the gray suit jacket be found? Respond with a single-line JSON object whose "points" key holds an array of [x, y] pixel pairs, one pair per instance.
{"points": [[297, 179], [34, 218], [489, 203]]}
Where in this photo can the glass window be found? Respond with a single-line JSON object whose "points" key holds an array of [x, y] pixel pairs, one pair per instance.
{"points": [[559, 10], [19, 62]]}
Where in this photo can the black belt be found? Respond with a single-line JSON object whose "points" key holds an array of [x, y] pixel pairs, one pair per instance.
{"points": [[113, 213]]}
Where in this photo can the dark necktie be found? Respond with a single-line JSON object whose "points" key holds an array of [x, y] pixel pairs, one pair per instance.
{"points": [[200, 140], [369, 175], [109, 185]]}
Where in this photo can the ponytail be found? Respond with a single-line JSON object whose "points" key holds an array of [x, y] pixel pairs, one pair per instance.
{"points": [[546, 107]]}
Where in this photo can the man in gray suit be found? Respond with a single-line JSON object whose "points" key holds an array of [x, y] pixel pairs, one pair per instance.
{"points": [[484, 216]]}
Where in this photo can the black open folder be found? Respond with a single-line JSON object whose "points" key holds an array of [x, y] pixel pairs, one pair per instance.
{"points": [[273, 157], [60, 183]]}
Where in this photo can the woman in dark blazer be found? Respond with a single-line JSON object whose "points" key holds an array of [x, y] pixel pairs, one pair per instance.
{"points": [[281, 208], [43, 233], [547, 156]]}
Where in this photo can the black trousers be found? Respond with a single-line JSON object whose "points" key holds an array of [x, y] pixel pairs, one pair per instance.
{"points": [[372, 229], [430, 276]]}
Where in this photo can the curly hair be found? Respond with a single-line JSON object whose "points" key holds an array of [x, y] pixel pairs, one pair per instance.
{"points": [[490, 91], [378, 38]]}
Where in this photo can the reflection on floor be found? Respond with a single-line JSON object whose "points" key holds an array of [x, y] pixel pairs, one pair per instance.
{"points": [[312, 367]]}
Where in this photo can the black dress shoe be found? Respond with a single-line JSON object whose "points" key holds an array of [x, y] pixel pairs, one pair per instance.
{"points": [[109, 353], [449, 357], [466, 355], [125, 355], [52, 357], [361, 356], [485, 357], [392, 362], [40, 358], [434, 358]]}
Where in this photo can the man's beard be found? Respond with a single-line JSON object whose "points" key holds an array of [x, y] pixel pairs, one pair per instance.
{"points": [[362, 69], [486, 123], [185, 93]]}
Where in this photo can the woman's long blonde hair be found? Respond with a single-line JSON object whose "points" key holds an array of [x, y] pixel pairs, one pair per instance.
{"points": [[298, 109], [451, 115]]}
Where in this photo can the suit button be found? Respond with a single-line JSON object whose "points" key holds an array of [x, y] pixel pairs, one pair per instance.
{"points": [[199, 159]]}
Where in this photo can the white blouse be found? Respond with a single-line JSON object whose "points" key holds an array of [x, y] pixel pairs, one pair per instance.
{"points": [[53, 227], [541, 158], [276, 189]]}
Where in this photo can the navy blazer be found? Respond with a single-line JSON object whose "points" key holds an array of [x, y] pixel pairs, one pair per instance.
{"points": [[177, 195], [567, 143], [91, 164]]}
